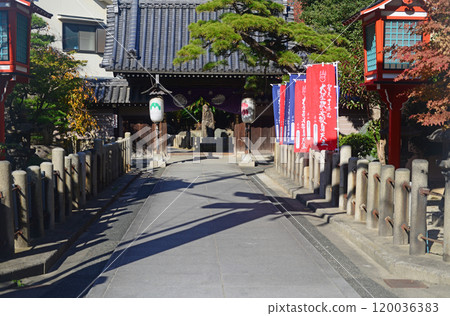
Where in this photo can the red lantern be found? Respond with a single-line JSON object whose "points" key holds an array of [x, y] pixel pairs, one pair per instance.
{"points": [[15, 28], [388, 23]]}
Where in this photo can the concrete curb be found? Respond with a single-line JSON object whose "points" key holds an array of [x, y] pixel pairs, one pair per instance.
{"points": [[394, 258], [43, 263]]}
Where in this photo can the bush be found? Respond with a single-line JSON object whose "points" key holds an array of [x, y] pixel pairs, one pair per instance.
{"points": [[363, 145]]}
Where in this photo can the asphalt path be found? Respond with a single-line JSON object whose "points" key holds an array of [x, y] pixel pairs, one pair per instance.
{"points": [[208, 230]]}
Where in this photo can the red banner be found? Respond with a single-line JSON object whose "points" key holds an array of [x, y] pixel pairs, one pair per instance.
{"points": [[300, 117], [282, 100], [321, 105]]}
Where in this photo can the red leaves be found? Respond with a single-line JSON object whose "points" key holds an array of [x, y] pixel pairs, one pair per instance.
{"points": [[431, 63]]}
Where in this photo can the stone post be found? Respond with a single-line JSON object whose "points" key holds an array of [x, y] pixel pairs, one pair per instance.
{"points": [[109, 164], [345, 154], [276, 158], [445, 165], [335, 179], [58, 165], [373, 194], [47, 169], [294, 163], [6, 211], [311, 169], [289, 161], [113, 164], [301, 170], [324, 172], [68, 184], [361, 190], [89, 174], [120, 156], [328, 170], [386, 201], [317, 171], [401, 205], [20, 179], [118, 159], [37, 205], [128, 150], [99, 162], [351, 185], [82, 183], [419, 179], [76, 181]]}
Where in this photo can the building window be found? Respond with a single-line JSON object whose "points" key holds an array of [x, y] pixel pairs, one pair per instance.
{"points": [[22, 39], [371, 47], [83, 37], [4, 40], [398, 32]]}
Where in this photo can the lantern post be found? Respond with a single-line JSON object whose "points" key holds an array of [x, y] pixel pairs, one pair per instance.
{"points": [[248, 113], [156, 111], [387, 23], [15, 29], [157, 116]]}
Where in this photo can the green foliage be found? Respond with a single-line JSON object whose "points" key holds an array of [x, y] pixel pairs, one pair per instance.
{"points": [[363, 145], [39, 37], [44, 102], [326, 16], [257, 30], [18, 283]]}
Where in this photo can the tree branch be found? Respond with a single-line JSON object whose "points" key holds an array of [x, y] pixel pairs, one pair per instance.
{"points": [[263, 50]]}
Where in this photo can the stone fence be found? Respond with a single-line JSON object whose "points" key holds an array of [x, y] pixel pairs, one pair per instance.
{"points": [[392, 201], [32, 201]]}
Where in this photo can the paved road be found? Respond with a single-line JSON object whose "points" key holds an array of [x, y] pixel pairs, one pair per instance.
{"points": [[207, 231]]}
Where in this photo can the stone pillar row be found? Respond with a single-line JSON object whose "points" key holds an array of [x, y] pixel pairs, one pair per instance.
{"points": [[391, 201], [34, 200]]}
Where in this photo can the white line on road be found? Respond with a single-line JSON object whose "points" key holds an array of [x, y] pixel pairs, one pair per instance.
{"points": [[136, 238]]}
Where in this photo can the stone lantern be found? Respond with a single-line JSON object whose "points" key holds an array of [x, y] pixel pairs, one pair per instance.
{"points": [[386, 23], [15, 29]]}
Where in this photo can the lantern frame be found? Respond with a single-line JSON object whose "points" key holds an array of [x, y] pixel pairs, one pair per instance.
{"points": [[13, 67], [379, 15], [251, 104]]}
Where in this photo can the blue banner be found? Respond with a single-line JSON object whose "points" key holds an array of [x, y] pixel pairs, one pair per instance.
{"points": [[289, 117], [276, 110]]}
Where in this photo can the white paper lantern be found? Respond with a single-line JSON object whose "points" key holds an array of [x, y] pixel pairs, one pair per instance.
{"points": [[248, 110], [157, 109]]}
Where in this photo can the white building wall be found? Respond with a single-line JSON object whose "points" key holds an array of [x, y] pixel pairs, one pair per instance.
{"points": [[89, 10]]}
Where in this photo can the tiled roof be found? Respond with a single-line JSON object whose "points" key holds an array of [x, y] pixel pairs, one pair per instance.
{"points": [[155, 36], [121, 93]]}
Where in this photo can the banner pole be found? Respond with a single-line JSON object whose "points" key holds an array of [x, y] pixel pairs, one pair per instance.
{"points": [[337, 104]]}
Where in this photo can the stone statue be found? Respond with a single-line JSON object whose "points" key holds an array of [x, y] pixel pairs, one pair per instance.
{"points": [[207, 121]]}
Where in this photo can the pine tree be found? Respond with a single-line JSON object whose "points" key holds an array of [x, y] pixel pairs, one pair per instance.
{"points": [[258, 30]]}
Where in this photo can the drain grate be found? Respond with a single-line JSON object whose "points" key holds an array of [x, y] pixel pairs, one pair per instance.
{"points": [[405, 284]]}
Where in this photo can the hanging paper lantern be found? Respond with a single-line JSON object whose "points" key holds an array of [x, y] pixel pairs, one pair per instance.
{"points": [[157, 109], [248, 110]]}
